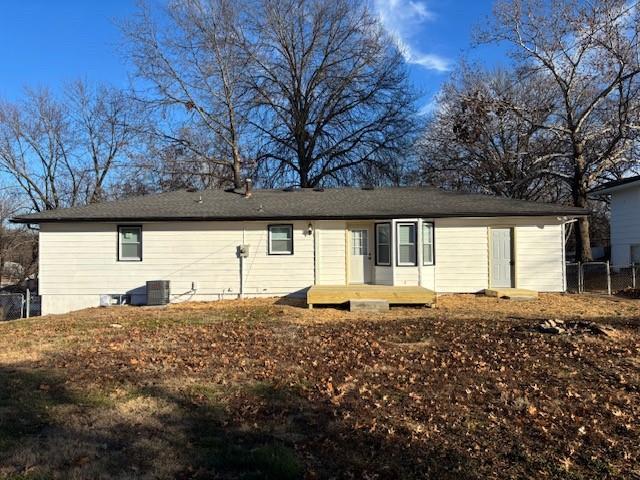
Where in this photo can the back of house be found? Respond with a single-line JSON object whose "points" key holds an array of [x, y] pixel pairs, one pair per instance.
{"points": [[222, 244]]}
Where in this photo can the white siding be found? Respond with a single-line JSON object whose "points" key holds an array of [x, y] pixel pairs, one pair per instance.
{"points": [[462, 255], [404, 275], [78, 262], [331, 245], [625, 223], [539, 253], [277, 274]]}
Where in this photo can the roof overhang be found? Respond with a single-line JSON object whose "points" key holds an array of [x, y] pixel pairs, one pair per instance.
{"points": [[559, 214], [615, 187]]}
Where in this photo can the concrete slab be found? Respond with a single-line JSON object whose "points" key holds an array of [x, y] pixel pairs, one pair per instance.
{"points": [[368, 305]]}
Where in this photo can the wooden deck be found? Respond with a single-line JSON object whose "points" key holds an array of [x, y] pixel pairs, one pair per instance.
{"points": [[338, 294], [519, 293]]}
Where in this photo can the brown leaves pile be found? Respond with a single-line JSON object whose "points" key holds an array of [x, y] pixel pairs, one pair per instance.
{"points": [[467, 390]]}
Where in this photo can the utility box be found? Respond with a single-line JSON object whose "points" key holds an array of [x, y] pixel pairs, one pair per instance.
{"points": [[158, 292], [243, 251]]}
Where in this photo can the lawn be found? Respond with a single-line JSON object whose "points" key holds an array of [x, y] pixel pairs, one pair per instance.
{"points": [[263, 389]]}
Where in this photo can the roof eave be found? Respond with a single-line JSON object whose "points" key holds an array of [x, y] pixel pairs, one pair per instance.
{"points": [[616, 188], [563, 213]]}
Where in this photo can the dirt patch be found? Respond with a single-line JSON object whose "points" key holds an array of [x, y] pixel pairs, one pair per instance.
{"points": [[268, 389]]}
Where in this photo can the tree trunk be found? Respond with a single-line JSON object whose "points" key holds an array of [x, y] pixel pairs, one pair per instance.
{"points": [[579, 191], [304, 174], [237, 168], [583, 240]]}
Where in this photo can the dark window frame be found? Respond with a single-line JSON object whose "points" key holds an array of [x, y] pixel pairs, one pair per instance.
{"points": [[269, 252], [433, 243], [119, 243], [415, 245], [375, 242]]}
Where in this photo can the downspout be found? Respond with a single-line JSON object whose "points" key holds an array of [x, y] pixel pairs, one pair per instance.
{"points": [[419, 252], [240, 254], [315, 255], [247, 194]]}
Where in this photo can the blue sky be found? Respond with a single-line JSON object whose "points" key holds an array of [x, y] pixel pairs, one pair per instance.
{"points": [[47, 43]]}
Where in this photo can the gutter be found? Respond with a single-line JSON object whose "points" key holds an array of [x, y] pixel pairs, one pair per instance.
{"points": [[554, 213]]}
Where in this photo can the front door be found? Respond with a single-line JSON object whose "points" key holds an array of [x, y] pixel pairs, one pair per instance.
{"points": [[360, 254], [502, 257]]}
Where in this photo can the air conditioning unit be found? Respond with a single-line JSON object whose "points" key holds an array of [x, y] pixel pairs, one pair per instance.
{"points": [[158, 292]]}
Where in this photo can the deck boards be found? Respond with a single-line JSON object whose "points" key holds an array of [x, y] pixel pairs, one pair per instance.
{"points": [[337, 294], [510, 293]]}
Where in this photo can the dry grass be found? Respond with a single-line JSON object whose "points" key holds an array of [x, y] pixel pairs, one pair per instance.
{"points": [[267, 389]]}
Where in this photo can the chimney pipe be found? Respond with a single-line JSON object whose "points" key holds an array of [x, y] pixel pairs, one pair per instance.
{"points": [[247, 188]]}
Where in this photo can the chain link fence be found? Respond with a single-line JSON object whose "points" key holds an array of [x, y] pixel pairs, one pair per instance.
{"points": [[11, 306], [16, 305], [601, 277]]}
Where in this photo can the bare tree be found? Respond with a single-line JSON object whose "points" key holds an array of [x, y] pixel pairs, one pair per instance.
{"points": [[589, 52], [475, 141], [105, 125], [18, 245], [195, 67], [331, 91], [8, 208], [60, 151], [35, 144]]}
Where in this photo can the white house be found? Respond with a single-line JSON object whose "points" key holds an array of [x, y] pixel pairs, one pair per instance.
{"points": [[219, 244], [625, 219]]}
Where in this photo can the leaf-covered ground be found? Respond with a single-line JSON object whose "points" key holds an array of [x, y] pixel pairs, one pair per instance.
{"points": [[266, 389]]}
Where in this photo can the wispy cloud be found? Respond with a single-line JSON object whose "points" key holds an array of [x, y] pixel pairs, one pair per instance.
{"points": [[432, 106], [404, 19]]}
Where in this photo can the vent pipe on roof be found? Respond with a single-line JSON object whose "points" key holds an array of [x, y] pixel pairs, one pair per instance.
{"points": [[247, 187]]}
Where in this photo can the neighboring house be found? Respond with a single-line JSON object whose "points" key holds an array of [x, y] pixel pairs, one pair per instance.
{"points": [[294, 239], [625, 219]]}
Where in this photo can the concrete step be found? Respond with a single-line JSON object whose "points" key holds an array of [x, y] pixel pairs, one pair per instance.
{"points": [[368, 305], [511, 293]]}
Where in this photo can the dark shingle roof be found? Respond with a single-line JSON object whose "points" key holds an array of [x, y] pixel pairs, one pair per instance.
{"points": [[338, 203], [605, 187]]}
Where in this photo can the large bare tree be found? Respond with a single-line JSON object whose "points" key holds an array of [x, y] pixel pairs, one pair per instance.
{"points": [[193, 67], [331, 91], [475, 141], [35, 144], [106, 128], [589, 52], [60, 151]]}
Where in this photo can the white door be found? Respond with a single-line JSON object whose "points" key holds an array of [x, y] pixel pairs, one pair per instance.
{"points": [[360, 255], [501, 257]]}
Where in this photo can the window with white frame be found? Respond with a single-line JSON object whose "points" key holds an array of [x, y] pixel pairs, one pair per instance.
{"points": [[383, 244], [281, 239], [360, 242], [130, 243], [427, 243], [407, 245]]}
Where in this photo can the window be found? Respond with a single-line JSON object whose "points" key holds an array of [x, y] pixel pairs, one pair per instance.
{"points": [[280, 239], [407, 244], [360, 242], [130, 243], [427, 243], [383, 244]]}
